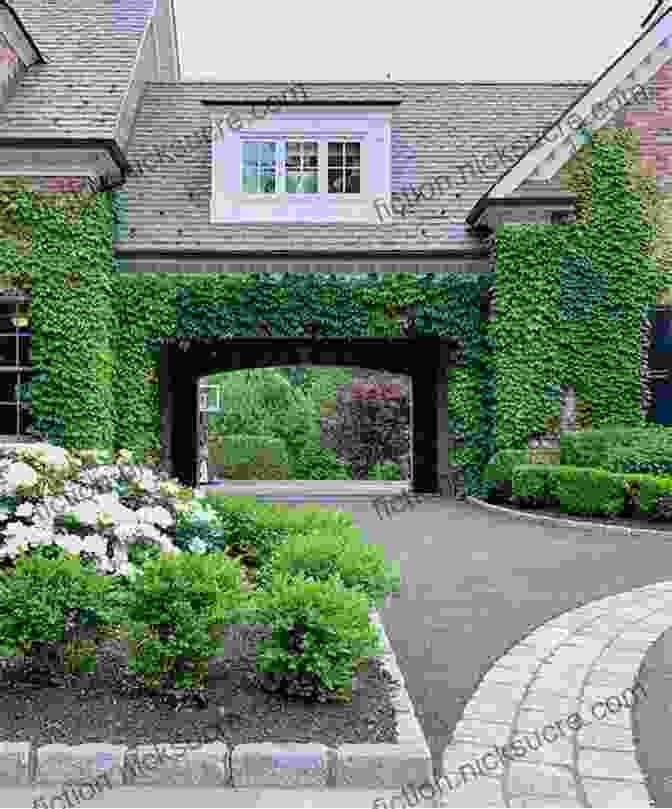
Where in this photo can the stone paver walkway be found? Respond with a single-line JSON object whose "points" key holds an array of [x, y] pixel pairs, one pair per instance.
{"points": [[564, 694]]}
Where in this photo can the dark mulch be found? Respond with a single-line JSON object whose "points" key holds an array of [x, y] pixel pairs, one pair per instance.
{"points": [[112, 705], [602, 519]]}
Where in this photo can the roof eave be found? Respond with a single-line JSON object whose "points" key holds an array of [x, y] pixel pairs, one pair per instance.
{"points": [[478, 208]]}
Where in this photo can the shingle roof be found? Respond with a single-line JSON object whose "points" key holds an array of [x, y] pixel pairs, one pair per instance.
{"points": [[437, 129], [90, 47]]}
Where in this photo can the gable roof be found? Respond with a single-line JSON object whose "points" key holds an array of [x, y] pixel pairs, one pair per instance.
{"points": [[636, 65], [437, 129], [90, 48]]}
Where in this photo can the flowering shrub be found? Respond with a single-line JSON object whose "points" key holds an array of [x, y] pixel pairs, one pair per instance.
{"points": [[383, 391], [73, 499]]}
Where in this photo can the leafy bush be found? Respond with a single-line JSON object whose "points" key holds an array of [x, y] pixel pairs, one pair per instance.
{"points": [[619, 449], [531, 485], [248, 457], [244, 527], [199, 530], [319, 463], [321, 630], [385, 471], [588, 491], [649, 453], [498, 473], [173, 606], [41, 595], [263, 402], [370, 424], [321, 555]]}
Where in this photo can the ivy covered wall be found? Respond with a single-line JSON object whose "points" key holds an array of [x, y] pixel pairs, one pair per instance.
{"points": [[96, 329], [570, 298]]}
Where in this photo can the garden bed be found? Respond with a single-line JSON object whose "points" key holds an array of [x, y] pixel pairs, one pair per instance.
{"points": [[112, 705], [123, 591]]}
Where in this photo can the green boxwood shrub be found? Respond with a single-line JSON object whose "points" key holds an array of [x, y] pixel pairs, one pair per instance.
{"points": [[588, 491], [248, 457], [38, 594], [387, 470], [321, 631], [315, 462], [245, 527], [649, 453], [321, 555], [531, 485], [646, 450], [498, 473], [174, 605]]}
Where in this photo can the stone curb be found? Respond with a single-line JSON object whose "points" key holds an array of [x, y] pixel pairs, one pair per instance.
{"points": [[56, 770], [530, 684], [542, 518]]}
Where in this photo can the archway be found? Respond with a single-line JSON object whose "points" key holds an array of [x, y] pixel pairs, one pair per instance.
{"points": [[308, 409], [424, 359]]}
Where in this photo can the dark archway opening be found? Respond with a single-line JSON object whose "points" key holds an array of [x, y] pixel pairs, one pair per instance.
{"points": [[424, 359]]}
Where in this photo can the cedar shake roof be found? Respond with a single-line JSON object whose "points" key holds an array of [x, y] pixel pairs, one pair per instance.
{"points": [[437, 129]]}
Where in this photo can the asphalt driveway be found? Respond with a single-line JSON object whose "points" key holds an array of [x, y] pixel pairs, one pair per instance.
{"points": [[474, 583]]}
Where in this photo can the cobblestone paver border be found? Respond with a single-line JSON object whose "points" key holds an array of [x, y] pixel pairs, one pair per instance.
{"points": [[566, 665]]}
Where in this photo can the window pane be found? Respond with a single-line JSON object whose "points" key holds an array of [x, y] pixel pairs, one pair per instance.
{"points": [[352, 181], [335, 181], [7, 419], [335, 154], [301, 168], [259, 168], [8, 350], [250, 183], [267, 152]]}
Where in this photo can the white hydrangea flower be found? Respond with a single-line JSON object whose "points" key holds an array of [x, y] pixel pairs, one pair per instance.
{"points": [[25, 510], [156, 514], [54, 456], [86, 513], [20, 474], [124, 532]]}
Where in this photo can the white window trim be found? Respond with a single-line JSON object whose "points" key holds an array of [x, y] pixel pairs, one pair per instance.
{"points": [[372, 129], [322, 170]]}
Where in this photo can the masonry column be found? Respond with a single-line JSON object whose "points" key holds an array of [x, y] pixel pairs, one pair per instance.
{"points": [[425, 419], [185, 426], [445, 439]]}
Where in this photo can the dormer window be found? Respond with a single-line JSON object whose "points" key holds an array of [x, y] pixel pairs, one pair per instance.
{"points": [[303, 166]]}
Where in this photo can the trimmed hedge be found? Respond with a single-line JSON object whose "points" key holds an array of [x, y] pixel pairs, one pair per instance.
{"points": [[498, 473], [249, 457], [588, 491], [646, 450]]}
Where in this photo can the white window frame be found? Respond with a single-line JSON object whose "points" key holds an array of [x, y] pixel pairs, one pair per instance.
{"points": [[370, 128], [322, 170]]}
